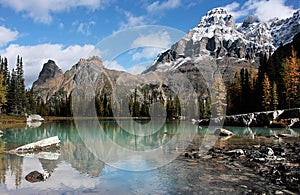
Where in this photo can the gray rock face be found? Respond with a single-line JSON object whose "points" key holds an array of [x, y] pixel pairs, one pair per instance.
{"points": [[49, 81], [88, 78], [50, 70]]}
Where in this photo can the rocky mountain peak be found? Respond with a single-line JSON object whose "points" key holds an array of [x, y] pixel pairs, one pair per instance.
{"points": [[49, 81], [50, 70], [94, 61], [219, 17], [218, 37], [250, 20]]}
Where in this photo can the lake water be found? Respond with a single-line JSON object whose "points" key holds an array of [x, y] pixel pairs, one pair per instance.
{"points": [[118, 158]]}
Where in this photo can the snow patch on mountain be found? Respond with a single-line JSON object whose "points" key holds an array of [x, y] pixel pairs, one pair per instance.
{"points": [[216, 22]]}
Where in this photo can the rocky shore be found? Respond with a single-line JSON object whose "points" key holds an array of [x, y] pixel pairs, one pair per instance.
{"points": [[275, 160], [277, 118]]}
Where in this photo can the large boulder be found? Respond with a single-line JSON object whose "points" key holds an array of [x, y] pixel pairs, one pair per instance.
{"points": [[290, 113], [262, 119], [223, 132], [239, 120]]}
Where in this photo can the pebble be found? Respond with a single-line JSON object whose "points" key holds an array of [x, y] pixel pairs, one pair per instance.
{"points": [[207, 157]]}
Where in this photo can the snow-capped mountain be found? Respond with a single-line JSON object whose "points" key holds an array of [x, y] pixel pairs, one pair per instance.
{"points": [[284, 30], [218, 37]]}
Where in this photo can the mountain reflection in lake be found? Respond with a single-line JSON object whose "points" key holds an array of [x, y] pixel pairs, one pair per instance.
{"points": [[77, 168]]}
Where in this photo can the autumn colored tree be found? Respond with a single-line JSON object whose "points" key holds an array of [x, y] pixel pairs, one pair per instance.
{"points": [[291, 77], [274, 96], [266, 98], [3, 92]]}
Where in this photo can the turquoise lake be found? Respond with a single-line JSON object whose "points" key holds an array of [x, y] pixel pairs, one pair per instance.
{"points": [[116, 157]]}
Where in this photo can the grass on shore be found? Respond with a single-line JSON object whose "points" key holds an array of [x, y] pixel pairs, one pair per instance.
{"points": [[7, 121]]}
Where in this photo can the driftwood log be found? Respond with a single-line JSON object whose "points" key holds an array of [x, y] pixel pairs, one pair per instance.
{"points": [[50, 143]]}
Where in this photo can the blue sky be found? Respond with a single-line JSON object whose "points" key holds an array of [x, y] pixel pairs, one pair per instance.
{"points": [[67, 30]]}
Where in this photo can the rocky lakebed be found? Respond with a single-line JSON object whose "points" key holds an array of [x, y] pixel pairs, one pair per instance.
{"points": [[263, 164]]}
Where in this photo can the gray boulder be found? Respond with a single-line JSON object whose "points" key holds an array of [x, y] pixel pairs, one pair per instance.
{"points": [[223, 132]]}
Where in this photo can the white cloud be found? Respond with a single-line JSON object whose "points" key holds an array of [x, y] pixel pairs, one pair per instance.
{"points": [[151, 45], [132, 21], [234, 9], [146, 53], [7, 35], [264, 9], [158, 6], [113, 65], [41, 11], [138, 69], [35, 56], [156, 39], [85, 28]]}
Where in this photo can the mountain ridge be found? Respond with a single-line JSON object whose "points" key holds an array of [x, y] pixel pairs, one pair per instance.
{"points": [[218, 36], [215, 46]]}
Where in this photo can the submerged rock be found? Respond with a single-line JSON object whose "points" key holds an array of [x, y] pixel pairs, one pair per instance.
{"points": [[36, 176]]}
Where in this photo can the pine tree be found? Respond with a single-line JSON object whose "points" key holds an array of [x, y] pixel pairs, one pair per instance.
{"points": [[20, 87], [274, 97], [11, 94], [145, 107], [3, 92], [266, 98], [262, 70], [234, 95], [136, 104], [246, 90], [131, 105], [6, 73]]}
